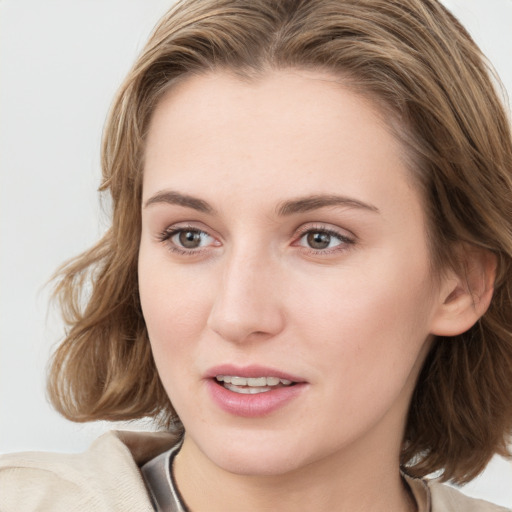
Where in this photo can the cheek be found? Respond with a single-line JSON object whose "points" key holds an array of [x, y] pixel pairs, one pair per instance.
{"points": [[372, 320], [371, 350], [174, 309]]}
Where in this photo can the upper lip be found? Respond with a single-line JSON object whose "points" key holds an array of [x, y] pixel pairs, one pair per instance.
{"points": [[251, 371]]}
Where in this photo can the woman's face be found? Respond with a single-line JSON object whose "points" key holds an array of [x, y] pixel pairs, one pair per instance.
{"points": [[282, 241]]}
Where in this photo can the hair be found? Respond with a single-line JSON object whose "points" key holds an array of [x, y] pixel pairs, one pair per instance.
{"points": [[414, 60]]}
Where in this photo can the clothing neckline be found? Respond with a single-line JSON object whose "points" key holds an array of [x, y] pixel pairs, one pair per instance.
{"points": [[158, 475]]}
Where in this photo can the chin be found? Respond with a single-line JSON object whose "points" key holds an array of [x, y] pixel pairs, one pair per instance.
{"points": [[256, 457], [258, 464]]}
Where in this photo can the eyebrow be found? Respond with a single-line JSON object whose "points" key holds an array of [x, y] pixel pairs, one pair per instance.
{"points": [[315, 202], [171, 197], [293, 206]]}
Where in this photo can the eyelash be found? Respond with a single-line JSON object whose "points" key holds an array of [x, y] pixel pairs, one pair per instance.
{"points": [[166, 238], [345, 241]]}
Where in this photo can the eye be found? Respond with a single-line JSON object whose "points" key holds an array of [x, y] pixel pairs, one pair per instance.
{"points": [[323, 240], [186, 240], [191, 238], [320, 240]]}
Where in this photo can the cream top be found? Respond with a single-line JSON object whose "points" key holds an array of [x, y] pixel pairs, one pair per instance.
{"points": [[108, 478]]}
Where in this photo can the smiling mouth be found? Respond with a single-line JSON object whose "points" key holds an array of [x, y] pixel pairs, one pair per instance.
{"points": [[252, 385]]}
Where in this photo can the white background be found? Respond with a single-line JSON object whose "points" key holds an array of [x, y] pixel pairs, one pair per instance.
{"points": [[61, 63]]}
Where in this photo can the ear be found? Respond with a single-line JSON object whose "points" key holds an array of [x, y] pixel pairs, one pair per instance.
{"points": [[465, 294]]}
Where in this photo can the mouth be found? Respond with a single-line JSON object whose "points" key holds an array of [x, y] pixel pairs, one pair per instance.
{"points": [[252, 385], [252, 391]]}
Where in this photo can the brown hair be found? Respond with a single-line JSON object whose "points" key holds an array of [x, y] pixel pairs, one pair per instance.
{"points": [[413, 58]]}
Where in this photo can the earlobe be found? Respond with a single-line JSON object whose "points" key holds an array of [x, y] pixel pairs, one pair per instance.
{"points": [[465, 294]]}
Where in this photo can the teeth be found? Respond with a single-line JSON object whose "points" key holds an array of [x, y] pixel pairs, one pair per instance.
{"points": [[247, 390], [257, 382], [253, 382]]}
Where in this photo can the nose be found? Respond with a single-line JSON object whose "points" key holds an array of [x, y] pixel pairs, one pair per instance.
{"points": [[249, 302]]}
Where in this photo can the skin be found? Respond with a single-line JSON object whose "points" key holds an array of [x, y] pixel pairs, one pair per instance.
{"points": [[354, 320]]}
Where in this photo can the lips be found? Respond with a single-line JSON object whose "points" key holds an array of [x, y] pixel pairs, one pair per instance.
{"points": [[252, 371], [252, 391]]}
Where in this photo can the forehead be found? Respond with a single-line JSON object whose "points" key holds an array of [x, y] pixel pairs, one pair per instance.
{"points": [[296, 131], [219, 99]]}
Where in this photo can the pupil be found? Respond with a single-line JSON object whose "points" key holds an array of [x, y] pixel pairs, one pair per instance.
{"points": [[190, 239], [319, 240]]}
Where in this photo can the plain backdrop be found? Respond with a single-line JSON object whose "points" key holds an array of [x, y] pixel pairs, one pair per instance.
{"points": [[61, 62]]}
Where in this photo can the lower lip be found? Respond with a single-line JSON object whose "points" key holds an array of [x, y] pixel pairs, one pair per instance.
{"points": [[252, 406]]}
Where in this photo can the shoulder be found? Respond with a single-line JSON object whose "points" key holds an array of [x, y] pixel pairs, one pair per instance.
{"points": [[448, 499], [104, 478]]}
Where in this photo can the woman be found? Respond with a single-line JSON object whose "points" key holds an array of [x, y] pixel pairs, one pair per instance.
{"points": [[306, 281]]}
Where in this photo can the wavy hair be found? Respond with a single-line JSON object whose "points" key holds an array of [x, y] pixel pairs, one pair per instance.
{"points": [[415, 60]]}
